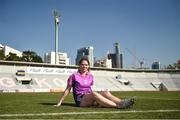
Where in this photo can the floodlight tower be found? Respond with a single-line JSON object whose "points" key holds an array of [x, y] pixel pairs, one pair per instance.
{"points": [[56, 21]]}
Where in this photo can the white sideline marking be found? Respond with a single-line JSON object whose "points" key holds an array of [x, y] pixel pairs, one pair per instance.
{"points": [[79, 113], [156, 98]]}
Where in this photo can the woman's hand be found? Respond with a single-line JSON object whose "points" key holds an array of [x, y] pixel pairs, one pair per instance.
{"points": [[57, 105]]}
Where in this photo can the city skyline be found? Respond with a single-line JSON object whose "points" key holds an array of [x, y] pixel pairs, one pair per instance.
{"points": [[151, 29]]}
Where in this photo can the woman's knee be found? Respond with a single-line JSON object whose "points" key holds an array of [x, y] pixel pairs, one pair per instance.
{"points": [[95, 94], [105, 93]]}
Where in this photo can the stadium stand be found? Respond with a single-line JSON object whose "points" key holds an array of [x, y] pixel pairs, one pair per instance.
{"points": [[53, 79]]}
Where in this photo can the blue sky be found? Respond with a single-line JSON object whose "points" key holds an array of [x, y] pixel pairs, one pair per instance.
{"points": [[148, 28]]}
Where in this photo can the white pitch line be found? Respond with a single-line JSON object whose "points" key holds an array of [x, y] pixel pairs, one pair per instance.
{"points": [[156, 98], [79, 113]]}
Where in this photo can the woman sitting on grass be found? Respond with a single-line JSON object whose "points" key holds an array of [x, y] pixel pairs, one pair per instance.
{"points": [[81, 82]]}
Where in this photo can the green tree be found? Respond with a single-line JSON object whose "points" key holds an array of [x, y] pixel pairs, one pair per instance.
{"points": [[170, 67], [31, 56], [12, 57], [2, 56], [174, 66], [177, 65]]}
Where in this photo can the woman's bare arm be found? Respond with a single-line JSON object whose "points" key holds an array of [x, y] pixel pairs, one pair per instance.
{"points": [[66, 92]]}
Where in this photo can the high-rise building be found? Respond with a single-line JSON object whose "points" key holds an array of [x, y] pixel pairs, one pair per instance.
{"points": [[156, 65], [62, 58], [117, 57], [87, 52]]}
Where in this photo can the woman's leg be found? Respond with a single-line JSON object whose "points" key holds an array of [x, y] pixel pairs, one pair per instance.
{"points": [[127, 103], [111, 97], [89, 99]]}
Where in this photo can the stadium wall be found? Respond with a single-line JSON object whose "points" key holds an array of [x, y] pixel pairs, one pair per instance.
{"points": [[52, 78]]}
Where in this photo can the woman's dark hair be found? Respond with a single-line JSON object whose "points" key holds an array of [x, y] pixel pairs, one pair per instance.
{"points": [[84, 58]]}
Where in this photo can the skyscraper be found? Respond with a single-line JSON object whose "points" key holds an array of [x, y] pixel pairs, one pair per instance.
{"points": [[87, 52], [156, 65], [117, 57]]}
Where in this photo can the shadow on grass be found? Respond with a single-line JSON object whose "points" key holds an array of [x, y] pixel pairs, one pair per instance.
{"points": [[64, 104]]}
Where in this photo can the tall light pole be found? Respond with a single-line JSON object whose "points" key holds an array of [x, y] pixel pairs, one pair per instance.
{"points": [[56, 21]]}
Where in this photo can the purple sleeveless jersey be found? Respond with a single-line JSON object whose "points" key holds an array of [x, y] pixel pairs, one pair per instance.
{"points": [[81, 84]]}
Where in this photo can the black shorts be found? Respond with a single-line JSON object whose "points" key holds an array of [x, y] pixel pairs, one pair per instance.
{"points": [[78, 99]]}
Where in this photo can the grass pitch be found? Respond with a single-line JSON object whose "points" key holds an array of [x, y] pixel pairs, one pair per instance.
{"points": [[149, 105]]}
